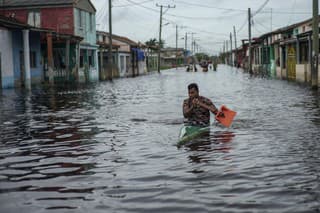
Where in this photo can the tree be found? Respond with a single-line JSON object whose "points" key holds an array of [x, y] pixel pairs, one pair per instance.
{"points": [[153, 43], [202, 56]]}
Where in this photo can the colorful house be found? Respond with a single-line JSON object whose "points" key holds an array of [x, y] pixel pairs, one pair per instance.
{"points": [[74, 56], [20, 54], [128, 56], [285, 53]]}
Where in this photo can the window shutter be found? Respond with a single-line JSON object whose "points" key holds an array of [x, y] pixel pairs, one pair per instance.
{"points": [[37, 20], [31, 18]]}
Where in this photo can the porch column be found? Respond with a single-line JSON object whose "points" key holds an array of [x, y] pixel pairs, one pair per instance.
{"points": [[298, 51], [116, 63], [68, 59], [101, 72], [309, 57], [50, 58], [287, 48], [26, 54]]}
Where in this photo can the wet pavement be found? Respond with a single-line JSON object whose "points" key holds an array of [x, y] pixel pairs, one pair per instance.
{"points": [[111, 147]]}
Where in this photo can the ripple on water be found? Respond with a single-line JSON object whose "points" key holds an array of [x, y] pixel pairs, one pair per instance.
{"points": [[111, 147]]}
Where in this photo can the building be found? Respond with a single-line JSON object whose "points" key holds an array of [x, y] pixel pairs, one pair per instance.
{"points": [[285, 53], [128, 56], [74, 56]]}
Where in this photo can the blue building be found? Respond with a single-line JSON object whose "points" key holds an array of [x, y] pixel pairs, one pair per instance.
{"points": [[20, 54]]}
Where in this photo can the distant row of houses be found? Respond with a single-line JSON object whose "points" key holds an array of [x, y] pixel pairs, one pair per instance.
{"points": [[56, 41], [284, 53]]}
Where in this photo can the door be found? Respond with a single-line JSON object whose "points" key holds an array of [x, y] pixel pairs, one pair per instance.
{"points": [[291, 63]]}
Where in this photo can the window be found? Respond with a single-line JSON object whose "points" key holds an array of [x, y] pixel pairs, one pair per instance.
{"points": [[91, 22], [304, 50], [33, 59], [81, 19], [34, 18]]}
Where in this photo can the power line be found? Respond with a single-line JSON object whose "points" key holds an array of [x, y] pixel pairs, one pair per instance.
{"points": [[260, 8], [138, 3]]}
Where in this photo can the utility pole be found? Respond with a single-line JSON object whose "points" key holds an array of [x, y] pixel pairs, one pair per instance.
{"points": [[176, 46], [161, 7], [185, 48], [231, 57], [315, 51], [271, 20], [249, 48], [235, 44], [227, 49], [224, 52], [192, 42], [110, 42]]}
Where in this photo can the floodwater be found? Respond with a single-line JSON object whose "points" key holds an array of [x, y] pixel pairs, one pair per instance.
{"points": [[111, 147]]}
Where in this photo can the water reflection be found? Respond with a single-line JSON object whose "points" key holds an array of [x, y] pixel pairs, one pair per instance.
{"points": [[203, 147], [111, 147]]}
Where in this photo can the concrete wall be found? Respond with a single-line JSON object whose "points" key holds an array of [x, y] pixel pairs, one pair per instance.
{"points": [[284, 73], [142, 67], [7, 74], [301, 74], [278, 72]]}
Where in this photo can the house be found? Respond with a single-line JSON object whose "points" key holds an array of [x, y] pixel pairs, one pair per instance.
{"points": [[103, 56], [172, 57], [72, 57], [285, 53], [128, 55], [20, 51]]}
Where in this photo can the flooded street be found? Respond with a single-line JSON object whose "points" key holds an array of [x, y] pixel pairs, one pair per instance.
{"points": [[111, 147]]}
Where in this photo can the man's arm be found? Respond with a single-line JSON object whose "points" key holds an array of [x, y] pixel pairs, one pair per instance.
{"points": [[212, 108], [187, 111]]}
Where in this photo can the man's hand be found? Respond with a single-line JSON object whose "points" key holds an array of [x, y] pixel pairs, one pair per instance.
{"points": [[221, 114], [195, 102]]}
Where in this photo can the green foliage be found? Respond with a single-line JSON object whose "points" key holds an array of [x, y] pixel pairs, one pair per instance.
{"points": [[153, 43], [202, 56]]}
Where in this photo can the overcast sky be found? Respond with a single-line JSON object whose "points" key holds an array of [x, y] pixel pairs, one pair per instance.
{"points": [[210, 20]]}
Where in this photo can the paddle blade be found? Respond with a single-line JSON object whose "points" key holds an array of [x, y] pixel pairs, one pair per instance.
{"points": [[228, 117]]}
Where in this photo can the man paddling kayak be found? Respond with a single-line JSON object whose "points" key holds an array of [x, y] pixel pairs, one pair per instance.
{"points": [[196, 109]]}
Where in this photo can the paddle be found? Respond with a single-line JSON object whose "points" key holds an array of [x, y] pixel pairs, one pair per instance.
{"points": [[227, 117]]}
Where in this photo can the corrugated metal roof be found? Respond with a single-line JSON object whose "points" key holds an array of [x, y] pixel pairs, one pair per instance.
{"points": [[120, 38], [18, 3]]}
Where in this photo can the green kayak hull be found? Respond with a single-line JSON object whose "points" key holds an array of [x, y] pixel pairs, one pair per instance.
{"points": [[188, 133]]}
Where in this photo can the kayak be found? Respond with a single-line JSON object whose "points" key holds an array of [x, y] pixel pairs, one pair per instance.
{"points": [[188, 133]]}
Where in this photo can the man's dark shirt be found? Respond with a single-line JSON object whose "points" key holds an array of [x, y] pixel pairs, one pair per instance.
{"points": [[199, 116]]}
